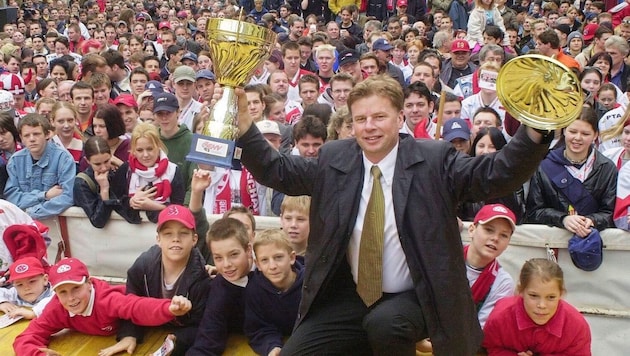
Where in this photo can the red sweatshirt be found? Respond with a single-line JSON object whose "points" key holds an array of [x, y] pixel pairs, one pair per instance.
{"points": [[509, 331], [110, 305]]}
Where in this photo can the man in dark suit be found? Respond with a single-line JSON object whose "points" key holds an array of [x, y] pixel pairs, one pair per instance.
{"points": [[423, 290]]}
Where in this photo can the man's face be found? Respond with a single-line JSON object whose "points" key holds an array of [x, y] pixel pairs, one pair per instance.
{"points": [[493, 58], [460, 59], [36, 29], [424, 74], [333, 30], [50, 42], [279, 83], [34, 138], [151, 29], [308, 93], [167, 41], [489, 40], [416, 108], [308, 146], [101, 95], [369, 66], [325, 61], [305, 52], [383, 56], [255, 105], [615, 53], [82, 100], [138, 30], [446, 24], [394, 29], [551, 19], [354, 69], [376, 123], [297, 29], [346, 17], [340, 91], [137, 83], [176, 241], [624, 31], [291, 61], [600, 42], [184, 89], [110, 34], [512, 37], [452, 109], [152, 66], [205, 88], [283, 12], [539, 28], [99, 35], [42, 66], [482, 119]]}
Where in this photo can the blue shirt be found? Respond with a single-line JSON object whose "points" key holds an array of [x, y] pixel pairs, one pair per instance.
{"points": [[29, 181]]}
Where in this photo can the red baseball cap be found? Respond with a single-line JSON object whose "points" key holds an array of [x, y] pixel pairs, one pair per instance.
{"points": [[460, 46], [490, 212], [164, 24], [68, 270], [401, 3], [589, 31], [178, 213], [126, 99], [25, 268]]}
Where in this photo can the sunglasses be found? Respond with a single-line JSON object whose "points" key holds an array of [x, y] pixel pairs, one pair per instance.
{"points": [[91, 28]]}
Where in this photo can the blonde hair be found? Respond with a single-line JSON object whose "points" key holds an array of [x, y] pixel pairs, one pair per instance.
{"points": [[300, 203], [148, 131], [275, 237], [617, 128]]}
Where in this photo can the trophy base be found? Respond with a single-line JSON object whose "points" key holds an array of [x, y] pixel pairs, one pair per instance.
{"points": [[213, 151]]}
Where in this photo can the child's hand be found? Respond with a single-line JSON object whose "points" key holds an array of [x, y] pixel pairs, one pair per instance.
{"points": [[127, 343], [7, 307], [212, 271], [200, 180], [180, 305], [275, 351], [525, 353], [26, 313], [49, 352]]}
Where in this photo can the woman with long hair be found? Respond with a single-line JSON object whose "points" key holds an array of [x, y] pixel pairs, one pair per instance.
{"points": [[574, 187], [154, 182], [108, 124], [102, 187], [63, 119], [47, 88], [9, 138]]}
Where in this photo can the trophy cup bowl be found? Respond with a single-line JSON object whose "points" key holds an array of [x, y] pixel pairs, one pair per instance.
{"points": [[236, 49]]}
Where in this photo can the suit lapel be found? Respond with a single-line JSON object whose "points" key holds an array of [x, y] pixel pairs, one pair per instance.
{"points": [[349, 185]]}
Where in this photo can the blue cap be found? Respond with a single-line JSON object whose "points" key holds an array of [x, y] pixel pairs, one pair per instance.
{"points": [[586, 253], [154, 86], [190, 56], [205, 74], [456, 128], [382, 45], [165, 102]]}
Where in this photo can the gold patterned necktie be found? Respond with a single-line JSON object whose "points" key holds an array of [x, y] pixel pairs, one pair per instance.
{"points": [[370, 276]]}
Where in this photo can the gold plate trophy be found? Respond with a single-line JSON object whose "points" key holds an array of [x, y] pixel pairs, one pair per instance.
{"points": [[236, 49], [540, 92]]}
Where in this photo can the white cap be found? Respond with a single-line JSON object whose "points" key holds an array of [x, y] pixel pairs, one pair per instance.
{"points": [[268, 127]]}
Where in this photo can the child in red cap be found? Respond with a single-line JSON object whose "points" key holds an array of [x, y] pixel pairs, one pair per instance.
{"points": [[490, 234], [91, 306], [30, 291]]}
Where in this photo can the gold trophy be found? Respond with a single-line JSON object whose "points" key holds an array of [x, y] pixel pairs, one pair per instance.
{"points": [[236, 49]]}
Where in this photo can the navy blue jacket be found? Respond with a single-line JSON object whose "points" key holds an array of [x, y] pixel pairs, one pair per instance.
{"points": [[225, 313], [269, 313]]}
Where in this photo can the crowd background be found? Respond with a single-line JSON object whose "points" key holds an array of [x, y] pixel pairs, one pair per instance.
{"points": [[113, 91]]}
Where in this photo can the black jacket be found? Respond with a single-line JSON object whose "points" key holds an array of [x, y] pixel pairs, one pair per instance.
{"points": [[547, 205], [99, 210], [424, 210], [144, 279]]}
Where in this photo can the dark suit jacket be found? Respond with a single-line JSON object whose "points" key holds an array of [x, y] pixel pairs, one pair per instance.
{"points": [[430, 178]]}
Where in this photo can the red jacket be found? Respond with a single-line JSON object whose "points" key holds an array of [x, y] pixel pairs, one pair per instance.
{"points": [[110, 305], [509, 331]]}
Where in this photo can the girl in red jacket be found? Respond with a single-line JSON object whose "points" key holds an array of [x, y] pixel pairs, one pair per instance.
{"points": [[537, 321]]}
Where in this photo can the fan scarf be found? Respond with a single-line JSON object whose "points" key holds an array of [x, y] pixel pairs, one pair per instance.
{"points": [[160, 175]]}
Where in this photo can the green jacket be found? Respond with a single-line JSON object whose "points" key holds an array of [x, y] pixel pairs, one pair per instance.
{"points": [[178, 147]]}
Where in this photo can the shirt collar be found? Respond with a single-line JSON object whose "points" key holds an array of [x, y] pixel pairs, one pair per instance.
{"points": [[386, 165]]}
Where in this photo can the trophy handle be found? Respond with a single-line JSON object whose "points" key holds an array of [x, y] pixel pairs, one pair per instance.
{"points": [[223, 117]]}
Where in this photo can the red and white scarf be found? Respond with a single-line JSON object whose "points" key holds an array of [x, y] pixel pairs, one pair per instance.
{"points": [[160, 175], [75, 147], [248, 193], [481, 288]]}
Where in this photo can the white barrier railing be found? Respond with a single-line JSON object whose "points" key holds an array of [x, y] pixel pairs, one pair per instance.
{"points": [[602, 295]]}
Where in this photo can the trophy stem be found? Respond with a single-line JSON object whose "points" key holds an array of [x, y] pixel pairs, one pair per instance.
{"points": [[223, 117]]}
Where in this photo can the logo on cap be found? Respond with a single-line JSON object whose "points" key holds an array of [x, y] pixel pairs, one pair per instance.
{"points": [[21, 268], [460, 44], [63, 268], [172, 210], [500, 209], [456, 125], [161, 100]]}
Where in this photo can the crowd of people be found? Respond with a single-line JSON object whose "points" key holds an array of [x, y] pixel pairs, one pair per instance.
{"points": [[100, 101]]}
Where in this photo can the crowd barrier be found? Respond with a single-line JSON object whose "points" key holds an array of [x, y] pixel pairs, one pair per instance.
{"points": [[603, 295]]}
